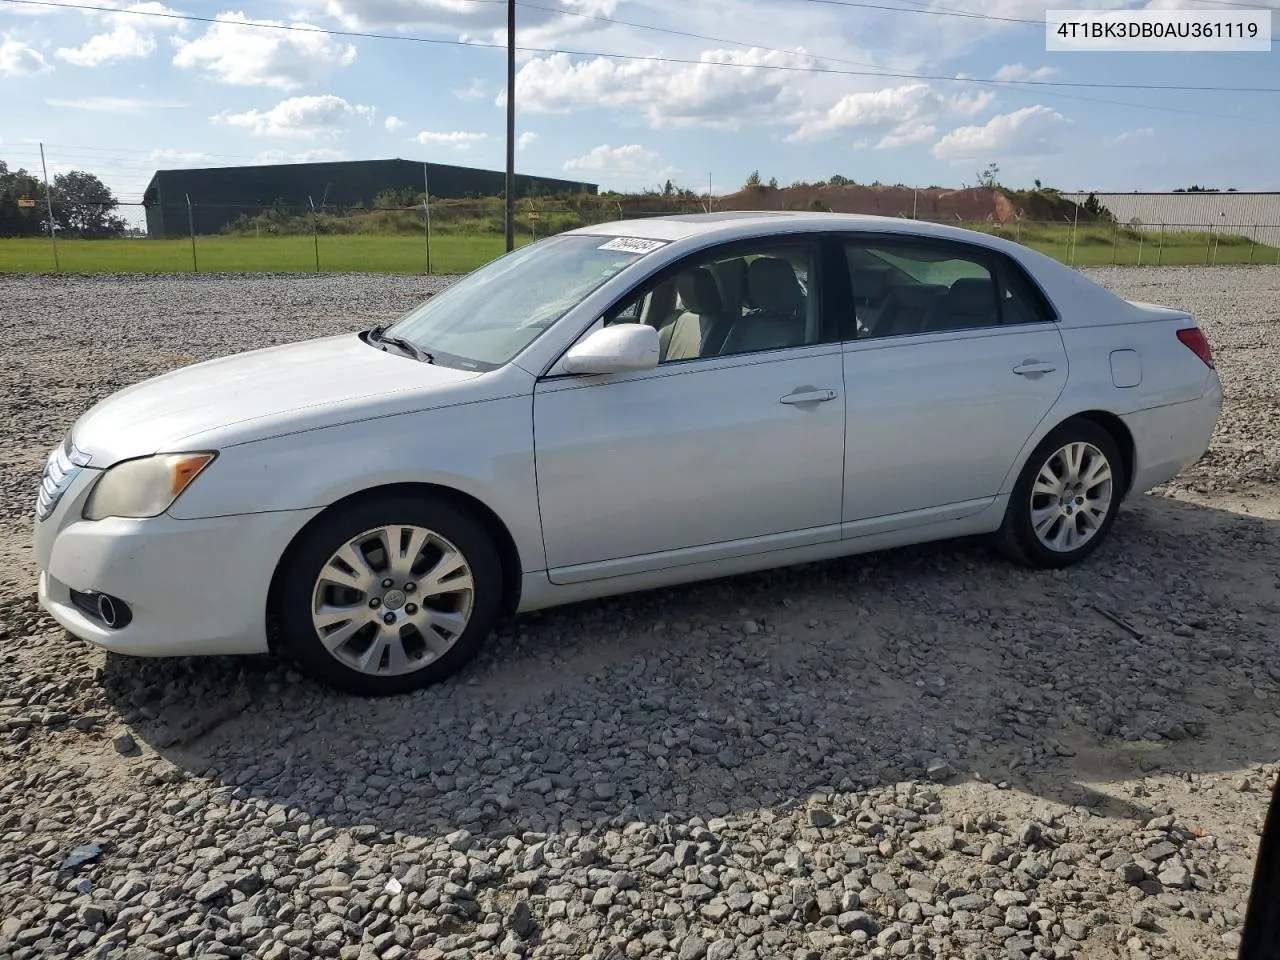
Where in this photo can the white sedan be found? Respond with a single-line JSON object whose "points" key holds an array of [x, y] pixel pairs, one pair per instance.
{"points": [[616, 408]]}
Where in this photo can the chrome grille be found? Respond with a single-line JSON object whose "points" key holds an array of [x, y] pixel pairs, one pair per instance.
{"points": [[60, 469]]}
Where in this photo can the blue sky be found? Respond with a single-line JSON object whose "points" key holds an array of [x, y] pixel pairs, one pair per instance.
{"points": [[120, 95]]}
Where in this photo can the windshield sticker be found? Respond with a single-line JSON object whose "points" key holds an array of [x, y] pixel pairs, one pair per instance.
{"points": [[633, 245]]}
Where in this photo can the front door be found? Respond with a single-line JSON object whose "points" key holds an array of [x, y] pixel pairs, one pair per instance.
{"points": [[733, 444]]}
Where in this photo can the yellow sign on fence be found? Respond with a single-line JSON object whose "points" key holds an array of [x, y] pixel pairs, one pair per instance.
{"points": [[26, 203]]}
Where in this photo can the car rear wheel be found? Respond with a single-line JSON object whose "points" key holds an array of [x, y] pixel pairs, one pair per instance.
{"points": [[1066, 498], [388, 596]]}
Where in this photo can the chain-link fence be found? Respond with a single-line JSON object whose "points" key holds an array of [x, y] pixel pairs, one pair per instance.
{"points": [[456, 235]]}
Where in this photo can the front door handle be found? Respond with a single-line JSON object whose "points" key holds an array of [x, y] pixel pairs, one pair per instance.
{"points": [[1034, 368], [809, 396]]}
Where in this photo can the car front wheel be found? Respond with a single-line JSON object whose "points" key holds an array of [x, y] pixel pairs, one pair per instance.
{"points": [[1065, 499], [388, 596]]}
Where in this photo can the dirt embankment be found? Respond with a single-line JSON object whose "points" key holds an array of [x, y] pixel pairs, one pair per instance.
{"points": [[935, 203]]}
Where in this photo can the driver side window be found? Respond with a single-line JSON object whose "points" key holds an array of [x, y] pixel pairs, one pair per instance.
{"points": [[760, 296]]}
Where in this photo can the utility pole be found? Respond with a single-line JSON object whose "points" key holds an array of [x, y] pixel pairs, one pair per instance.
{"points": [[511, 125], [48, 201]]}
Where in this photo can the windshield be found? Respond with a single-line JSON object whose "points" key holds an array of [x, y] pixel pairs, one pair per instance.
{"points": [[483, 320]]}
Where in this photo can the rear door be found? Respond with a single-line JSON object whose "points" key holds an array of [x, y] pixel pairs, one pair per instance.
{"points": [[956, 360]]}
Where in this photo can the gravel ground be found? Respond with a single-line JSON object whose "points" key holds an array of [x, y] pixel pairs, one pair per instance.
{"points": [[922, 753]]}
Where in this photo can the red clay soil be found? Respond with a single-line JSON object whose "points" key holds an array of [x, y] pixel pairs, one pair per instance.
{"points": [[968, 205]]}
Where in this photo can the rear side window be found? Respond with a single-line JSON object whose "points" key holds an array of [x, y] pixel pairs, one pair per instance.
{"points": [[909, 287], [1020, 300]]}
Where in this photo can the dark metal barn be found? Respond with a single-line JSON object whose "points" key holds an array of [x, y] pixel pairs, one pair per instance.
{"points": [[218, 195]]}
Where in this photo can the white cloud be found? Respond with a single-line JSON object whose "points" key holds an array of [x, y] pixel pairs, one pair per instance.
{"points": [[305, 156], [130, 37], [526, 139], [304, 117], [631, 158], [475, 90], [19, 59], [538, 24], [1016, 71], [393, 124], [1029, 132], [457, 139], [906, 134], [408, 14], [115, 104], [179, 158], [1139, 134], [254, 56], [894, 116], [703, 94]]}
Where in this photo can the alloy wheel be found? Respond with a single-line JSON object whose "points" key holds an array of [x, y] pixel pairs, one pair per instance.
{"points": [[392, 600], [1071, 497]]}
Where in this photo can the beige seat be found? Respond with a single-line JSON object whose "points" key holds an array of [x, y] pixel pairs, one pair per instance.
{"points": [[778, 319], [697, 331]]}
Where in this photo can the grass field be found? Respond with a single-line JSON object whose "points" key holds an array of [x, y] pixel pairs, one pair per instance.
{"points": [[450, 253], [219, 254]]}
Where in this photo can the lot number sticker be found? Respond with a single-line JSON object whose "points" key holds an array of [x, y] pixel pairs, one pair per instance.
{"points": [[633, 245]]}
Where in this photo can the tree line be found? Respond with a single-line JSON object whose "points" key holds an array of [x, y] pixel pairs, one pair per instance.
{"points": [[83, 206]]}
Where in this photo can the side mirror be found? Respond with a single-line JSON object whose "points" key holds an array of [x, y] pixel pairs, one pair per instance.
{"points": [[621, 348], [1261, 940]]}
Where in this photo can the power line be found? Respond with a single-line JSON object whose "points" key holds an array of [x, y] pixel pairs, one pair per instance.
{"points": [[1012, 84], [857, 63], [925, 11], [974, 15], [692, 36]]}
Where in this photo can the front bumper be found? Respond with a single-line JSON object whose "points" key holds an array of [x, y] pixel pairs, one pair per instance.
{"points": [[194, 587]]}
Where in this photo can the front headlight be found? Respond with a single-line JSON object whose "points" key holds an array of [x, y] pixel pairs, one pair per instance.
{"points": [[145, 487]]}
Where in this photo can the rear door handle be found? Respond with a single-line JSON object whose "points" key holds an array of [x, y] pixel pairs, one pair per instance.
{"points": [[1034, 368], [809, 396]]}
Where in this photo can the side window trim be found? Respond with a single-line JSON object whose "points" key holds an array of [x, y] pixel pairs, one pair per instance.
{"points": [[1040, 304], [839, 313], [990, 260], [817, 292], [1004, 263]]}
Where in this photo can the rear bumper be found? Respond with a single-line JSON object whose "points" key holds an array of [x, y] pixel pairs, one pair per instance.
{"points": [[1169, 439], [193, 587]]}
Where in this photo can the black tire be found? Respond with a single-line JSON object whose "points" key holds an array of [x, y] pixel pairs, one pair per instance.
{"points": [[299, 637], [1016, 538]]}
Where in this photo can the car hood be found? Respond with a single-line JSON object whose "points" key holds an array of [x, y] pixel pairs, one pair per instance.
{"points": [[259, 393]]}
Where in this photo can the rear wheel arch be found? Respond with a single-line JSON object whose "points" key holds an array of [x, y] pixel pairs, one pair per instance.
{"points": [[1084, 495], [1108, 421], [1122, 436], [505, 544]]}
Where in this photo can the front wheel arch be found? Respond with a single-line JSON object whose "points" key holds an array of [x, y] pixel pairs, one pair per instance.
{"points": [[508, 554]]}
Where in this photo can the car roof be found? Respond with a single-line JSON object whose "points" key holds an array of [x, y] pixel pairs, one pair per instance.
{"points": [[730, 224], [1061, 283]]}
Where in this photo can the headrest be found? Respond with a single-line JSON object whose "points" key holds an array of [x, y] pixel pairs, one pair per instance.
{"points": [[971, 295], [698, 291], [773, 286], [662, 302], [732, 275], [869, 283]]}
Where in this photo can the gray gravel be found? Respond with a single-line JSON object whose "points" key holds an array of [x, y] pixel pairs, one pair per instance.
{"points": [[923, 753]]}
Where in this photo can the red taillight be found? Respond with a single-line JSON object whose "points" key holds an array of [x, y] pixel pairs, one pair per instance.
{"points": [[1195, 341]]}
